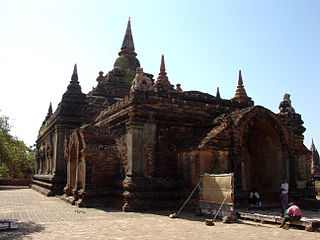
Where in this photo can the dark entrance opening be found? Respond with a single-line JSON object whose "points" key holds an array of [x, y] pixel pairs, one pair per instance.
{"points": [[263, 160]]}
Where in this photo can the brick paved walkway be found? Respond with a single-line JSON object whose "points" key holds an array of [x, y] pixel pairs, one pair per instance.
{"points": [[50, 218]]}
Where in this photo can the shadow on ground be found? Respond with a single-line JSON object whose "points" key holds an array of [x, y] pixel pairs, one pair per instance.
{"points": [[256, 224], [7, 188], [186, 214], [22, 232]]}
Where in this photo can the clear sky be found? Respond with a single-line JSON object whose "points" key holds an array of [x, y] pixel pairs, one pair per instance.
{"points": [[276, 44]]}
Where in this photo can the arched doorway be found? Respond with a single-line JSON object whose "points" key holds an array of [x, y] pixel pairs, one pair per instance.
{"points": [[263, 159]]}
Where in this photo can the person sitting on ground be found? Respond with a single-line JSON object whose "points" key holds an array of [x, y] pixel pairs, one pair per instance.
{"points": [[293, 213], [254, 198]]}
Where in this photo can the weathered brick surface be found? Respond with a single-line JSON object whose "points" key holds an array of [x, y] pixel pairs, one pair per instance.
{"points": [[144, 146]]}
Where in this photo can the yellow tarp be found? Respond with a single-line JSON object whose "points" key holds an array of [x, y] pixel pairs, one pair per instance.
{"points": [[216, 187]]}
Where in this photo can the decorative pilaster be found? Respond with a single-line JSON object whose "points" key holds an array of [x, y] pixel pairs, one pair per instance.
{"points": [[134, 149], [59, 166]]}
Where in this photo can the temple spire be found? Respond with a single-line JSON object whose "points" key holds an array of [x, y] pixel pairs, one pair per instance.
{"points": [[218, 93], [50, 109], [74, 76], [312, 145], [240, 82], [162, 80], [74, 85], [240, 95], [49, 113], [127, 47], [162, 74]]}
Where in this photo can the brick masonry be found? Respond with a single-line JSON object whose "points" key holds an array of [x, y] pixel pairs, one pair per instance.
{"points": [[136, 143]]}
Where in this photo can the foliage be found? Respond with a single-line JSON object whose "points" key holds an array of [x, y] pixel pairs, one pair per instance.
{"points": [[129, 76], [15, 157], [122, 62]]}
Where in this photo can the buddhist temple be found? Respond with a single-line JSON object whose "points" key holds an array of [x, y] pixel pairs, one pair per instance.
{"points": [[140, 143]]}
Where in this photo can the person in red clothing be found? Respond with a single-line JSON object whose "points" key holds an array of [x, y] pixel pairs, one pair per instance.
{"points": [[293, 213]]}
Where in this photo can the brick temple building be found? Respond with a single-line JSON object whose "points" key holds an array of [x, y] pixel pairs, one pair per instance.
{"points": [[140, 143]]}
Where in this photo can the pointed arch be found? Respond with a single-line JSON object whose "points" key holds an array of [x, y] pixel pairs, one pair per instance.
{"points": [[262, 143], [74, 154]]}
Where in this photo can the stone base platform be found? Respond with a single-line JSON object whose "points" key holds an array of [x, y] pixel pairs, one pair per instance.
{"points": [[49, 185]]}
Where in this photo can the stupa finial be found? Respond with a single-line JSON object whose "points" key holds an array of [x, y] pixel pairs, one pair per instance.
{"points": [[218, 93], [162, 80], [240, 95], [74, 76], [127, 47]]}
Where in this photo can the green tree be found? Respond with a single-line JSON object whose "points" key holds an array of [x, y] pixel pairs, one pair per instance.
{"points": [[15, 157]]}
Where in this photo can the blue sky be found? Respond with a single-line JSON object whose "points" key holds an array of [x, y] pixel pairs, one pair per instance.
{"points": [[276, 44]]}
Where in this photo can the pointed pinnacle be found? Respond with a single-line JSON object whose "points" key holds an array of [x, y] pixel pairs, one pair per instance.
{"points": [[240, 82], [49, 112], [127, 44], [218, 93], [312, 145], [240, 94], [50, 109], [162, 65], [162, 79], [75, 73], [162, 74], [74, 85]]}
